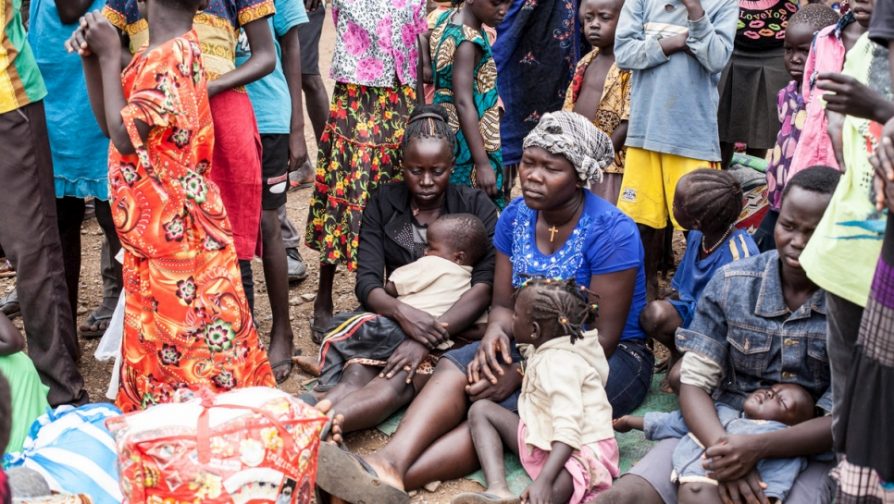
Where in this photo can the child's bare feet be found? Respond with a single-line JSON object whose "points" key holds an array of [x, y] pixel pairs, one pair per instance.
{"points": [[308, 364], [386, 471]]}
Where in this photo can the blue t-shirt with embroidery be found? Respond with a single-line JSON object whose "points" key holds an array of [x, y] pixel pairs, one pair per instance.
{"points": [[604, 241]]}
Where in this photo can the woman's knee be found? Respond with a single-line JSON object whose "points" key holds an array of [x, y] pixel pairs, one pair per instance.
{"points": [[630, 489]]}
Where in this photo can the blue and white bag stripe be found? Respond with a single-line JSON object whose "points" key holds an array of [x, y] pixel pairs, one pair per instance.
{"points": [[72, 449]]}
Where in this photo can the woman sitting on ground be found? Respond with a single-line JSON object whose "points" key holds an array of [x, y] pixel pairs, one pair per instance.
{"points": [[760, 321], [393, 234], [559, 229]]}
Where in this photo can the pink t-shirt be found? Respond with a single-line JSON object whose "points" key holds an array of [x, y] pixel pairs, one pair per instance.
{"points": [[814, 146]]}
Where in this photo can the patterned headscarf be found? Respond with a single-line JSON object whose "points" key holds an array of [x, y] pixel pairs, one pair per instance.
{"points": [[572, 136]]}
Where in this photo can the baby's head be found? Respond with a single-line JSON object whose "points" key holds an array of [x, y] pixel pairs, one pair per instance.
{"points": [[799, 33], [599, 19], [460, 238], [787, 403], [547, 309], [707, 200]]}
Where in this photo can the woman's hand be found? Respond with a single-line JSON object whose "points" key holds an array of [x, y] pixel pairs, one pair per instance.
{"points": [[747, 490], [485, 365], [732, 457], [421, 326], [407, 358], [496, 391], [486, 178]]}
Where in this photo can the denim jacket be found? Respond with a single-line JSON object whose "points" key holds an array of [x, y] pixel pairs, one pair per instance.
{"points": [[744, 326]]}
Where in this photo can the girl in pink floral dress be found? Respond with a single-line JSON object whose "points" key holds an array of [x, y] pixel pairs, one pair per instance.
{"points": [[374, 67]]}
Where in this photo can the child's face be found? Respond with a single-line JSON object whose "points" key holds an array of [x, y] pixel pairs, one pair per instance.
{"points": [[797, 46], [599, 19], [784, 402], [490, 12], [862, 11], [523, 328], [800, 214], [427, 163]]}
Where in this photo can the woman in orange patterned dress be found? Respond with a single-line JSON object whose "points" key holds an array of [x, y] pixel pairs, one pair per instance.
{"points": [[187, 322]]}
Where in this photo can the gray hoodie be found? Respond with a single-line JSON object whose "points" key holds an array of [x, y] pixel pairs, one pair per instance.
{"points": [[673, 106]]}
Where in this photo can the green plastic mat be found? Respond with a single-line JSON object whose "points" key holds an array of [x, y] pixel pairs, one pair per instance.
{"points": [[632, 445]]}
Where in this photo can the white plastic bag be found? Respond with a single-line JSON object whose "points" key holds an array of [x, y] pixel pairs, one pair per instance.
{"points": [[109, 346]]}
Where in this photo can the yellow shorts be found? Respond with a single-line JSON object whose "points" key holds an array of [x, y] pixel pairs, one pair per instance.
{"points": [[650, 179]]}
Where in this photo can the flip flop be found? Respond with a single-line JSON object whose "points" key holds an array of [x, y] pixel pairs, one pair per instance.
{"points": [[278, 364], [99, 322], [349, 477], [482, 498], [6, 269], [9, 305]]}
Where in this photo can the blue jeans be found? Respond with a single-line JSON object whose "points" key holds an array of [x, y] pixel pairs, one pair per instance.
{"points": [[629, 377]]}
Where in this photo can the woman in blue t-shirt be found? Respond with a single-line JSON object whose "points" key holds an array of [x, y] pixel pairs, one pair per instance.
{"points": [[558, 229]]}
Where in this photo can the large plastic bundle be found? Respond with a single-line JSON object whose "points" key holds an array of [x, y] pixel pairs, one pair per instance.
{"points": [[71, 449], [256, 445]]}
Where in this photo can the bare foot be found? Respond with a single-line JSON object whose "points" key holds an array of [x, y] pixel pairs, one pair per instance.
{"points": [[310, 365], [280, 354], [385, 470]]}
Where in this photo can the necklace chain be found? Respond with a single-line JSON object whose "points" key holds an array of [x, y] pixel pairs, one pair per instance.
{"points": [[711, 249]]}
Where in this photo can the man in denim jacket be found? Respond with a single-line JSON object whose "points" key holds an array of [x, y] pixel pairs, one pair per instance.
{"points": [[760, 321]]}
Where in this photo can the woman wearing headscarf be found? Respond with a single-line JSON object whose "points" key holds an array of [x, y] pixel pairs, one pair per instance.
{"points": [[556, 229]]}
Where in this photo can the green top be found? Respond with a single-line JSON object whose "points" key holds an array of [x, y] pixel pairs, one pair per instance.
{"points": [[445, 39], [29, 396], [843, 251], [20, 80]]}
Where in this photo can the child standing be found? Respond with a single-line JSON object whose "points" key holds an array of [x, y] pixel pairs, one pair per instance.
{"points": [[792, 113], [827, 54], [676, 52], [562, 432], [600, 91], [187, 320], [707, 202], [465, 79]]}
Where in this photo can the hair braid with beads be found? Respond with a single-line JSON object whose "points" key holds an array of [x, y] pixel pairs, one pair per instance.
{"points": [[560, 302], [429, 121], [715, 199]]}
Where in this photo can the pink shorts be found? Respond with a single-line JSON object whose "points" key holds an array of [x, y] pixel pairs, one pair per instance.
{"points": [[592, 468]]}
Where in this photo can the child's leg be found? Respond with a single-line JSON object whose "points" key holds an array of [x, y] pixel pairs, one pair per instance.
{"points": [[493, 426], [653, 245], [276, 276], [698, 493]]}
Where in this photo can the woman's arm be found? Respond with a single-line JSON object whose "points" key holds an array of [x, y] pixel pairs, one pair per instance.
{"points": [[614, 294], [261, 62], [496, 345], [11, 340], [465, 59], [467, 309], [423, 67], [291, 65], [71, 10]]}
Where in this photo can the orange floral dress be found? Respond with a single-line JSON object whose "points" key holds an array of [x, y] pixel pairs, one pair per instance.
{"points": [[187, 323]]}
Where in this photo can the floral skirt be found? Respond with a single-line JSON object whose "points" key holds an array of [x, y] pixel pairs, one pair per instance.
{"points": [[359, 150]]}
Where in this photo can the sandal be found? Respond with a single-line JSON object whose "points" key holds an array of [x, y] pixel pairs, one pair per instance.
{"points": [[482, 498], [349, 477], [295, 184], [97, 322], [9, 305], [276, 365]]}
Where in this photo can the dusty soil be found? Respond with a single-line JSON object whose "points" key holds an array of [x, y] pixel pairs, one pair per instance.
{"points": [[97, 373]]}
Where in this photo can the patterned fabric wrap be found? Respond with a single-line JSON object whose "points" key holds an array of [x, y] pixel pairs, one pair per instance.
{"points": [[254, 445], [572, 136], [187, 322], [792, 115], [614, 105], [445, 40], [359, 151], [73, 451]]}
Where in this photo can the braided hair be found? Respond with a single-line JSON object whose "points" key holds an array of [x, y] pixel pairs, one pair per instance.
{"points": [[429, 121], [714, 199], [562, 303]]}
